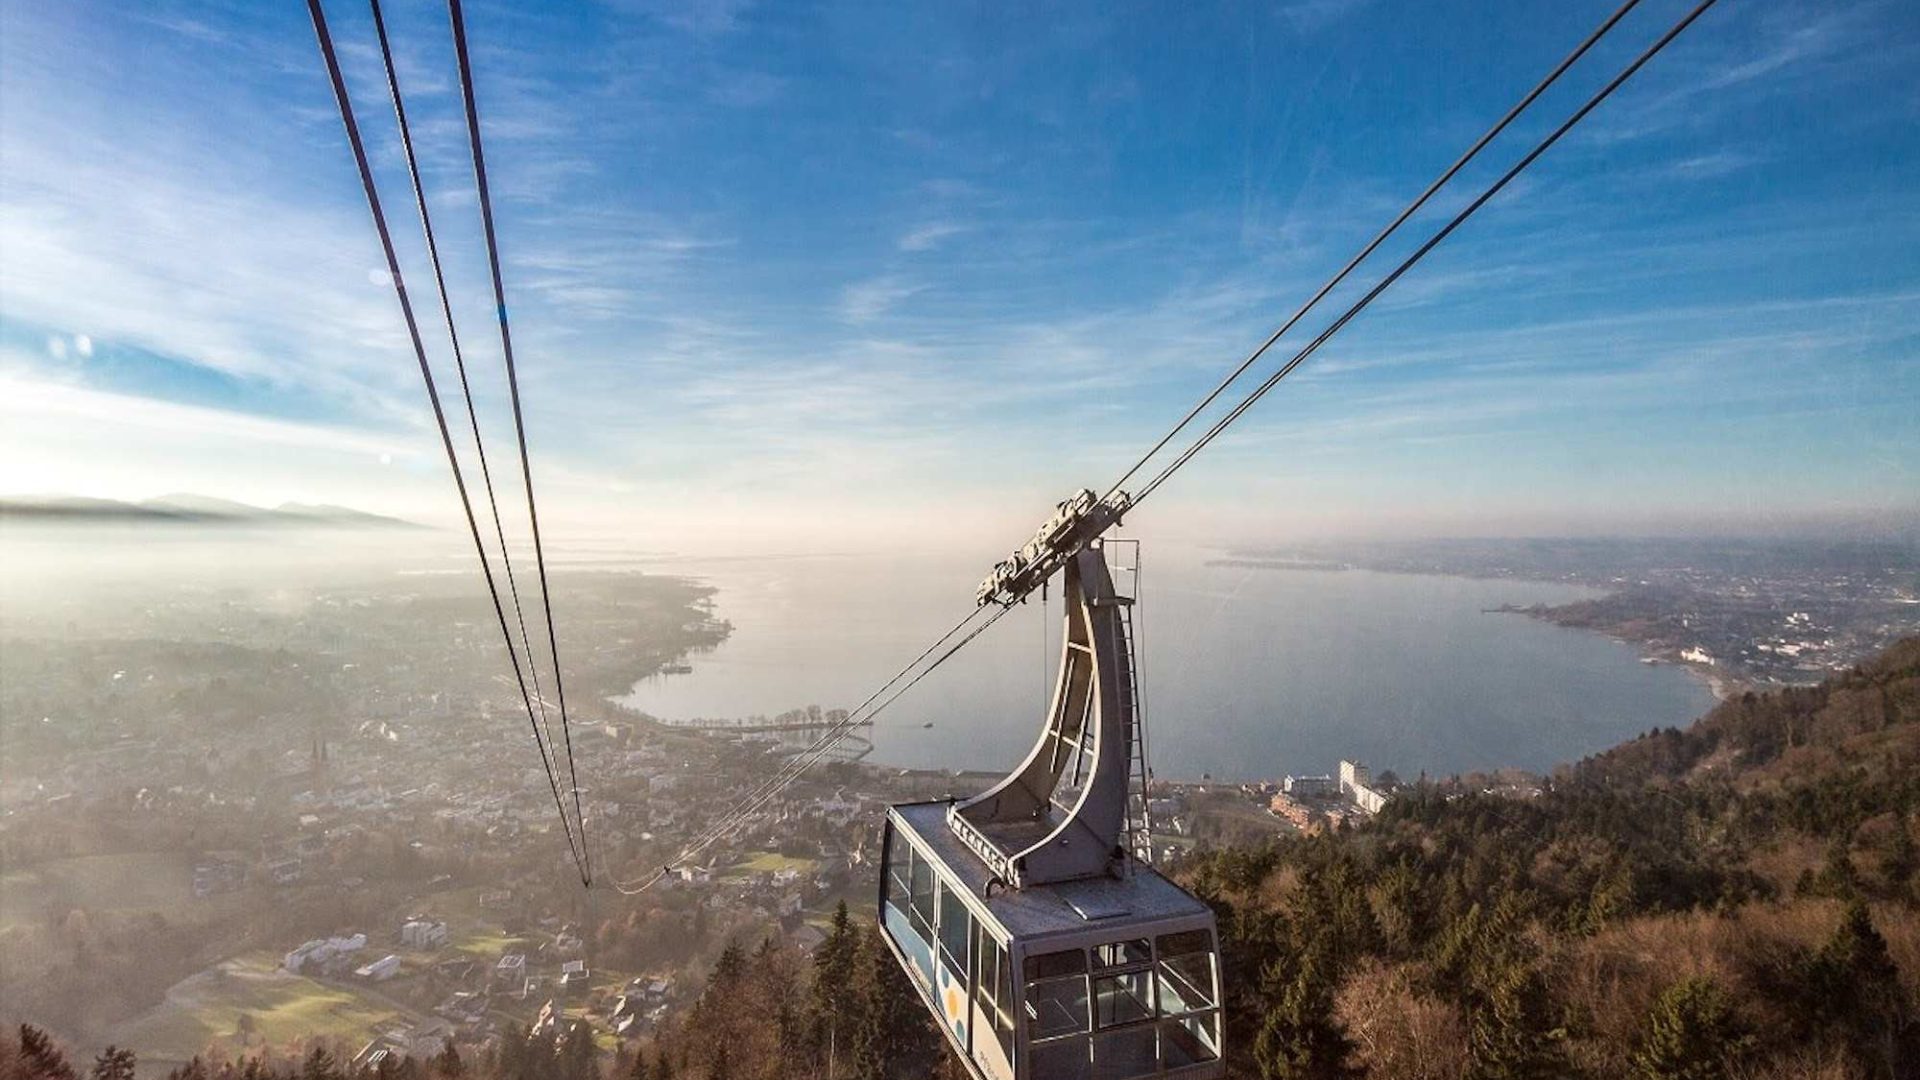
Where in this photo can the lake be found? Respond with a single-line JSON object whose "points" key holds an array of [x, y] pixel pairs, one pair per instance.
{"points": [[1248, 673]]}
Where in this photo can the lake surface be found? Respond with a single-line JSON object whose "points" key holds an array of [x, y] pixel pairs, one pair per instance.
{"points": [[1248, 673]]}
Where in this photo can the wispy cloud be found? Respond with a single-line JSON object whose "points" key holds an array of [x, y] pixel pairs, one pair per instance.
{"points": [[57, 436], [1787, 48], [700, 17], [1310, 15], [1712, 165], [865, 301], [927, 237], [606, 266], [189, 27], [191, 275], [1793, 43]]}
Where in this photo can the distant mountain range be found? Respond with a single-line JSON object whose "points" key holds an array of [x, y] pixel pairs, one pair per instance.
{"points": [[187, 509]]}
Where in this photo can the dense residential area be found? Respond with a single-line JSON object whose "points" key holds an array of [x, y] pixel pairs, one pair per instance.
{"points": [[365, 864]]}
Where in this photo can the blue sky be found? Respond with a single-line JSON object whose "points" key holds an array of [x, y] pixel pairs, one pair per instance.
{"points": [[797, 275]]}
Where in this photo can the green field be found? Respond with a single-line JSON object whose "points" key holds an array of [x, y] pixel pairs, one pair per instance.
{"points": [[282, 1007], [767, 862], [135, 882], [488, 945]]}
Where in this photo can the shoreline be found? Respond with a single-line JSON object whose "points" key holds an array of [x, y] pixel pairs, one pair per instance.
{"points": [[1720, 686]]}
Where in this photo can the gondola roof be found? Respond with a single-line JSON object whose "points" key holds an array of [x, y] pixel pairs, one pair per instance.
{"points": [[1071, 907]]}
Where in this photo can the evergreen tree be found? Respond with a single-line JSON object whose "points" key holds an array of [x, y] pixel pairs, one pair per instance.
{"points": [[1485, 963], [320, 1065], [447, 1063], [1901, 861], [831, 997], [728, 969], [887, 1027], [40, 1058], [1836, 877], [1509, 1036], [1332, 901], [779, 1045], [1692, 1034], [580, 1058], [513, 1052], [1855, 985], [1400, 910], [1611, 897], [722, 1016], [113, 1064], [1299, 1039], [543, 1057], [194, 1069]]}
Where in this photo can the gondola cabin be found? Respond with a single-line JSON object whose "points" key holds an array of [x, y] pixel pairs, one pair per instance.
{"points": [[1104, 977], [1026, 918]]}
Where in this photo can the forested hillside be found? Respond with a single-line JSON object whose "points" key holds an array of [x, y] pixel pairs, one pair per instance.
{"points": [[1737, 900], [1734, 900]]}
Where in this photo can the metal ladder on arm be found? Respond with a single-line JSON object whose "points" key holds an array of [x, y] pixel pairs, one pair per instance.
{"points": [[1139, 823]]}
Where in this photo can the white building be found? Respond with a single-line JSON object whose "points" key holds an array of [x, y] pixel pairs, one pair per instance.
{"points": [[380, 970], [1310, 787], [1356, 784], [305, 954], [1369, 799], [511, 969], [318, 952], [1353, 772], [423, 933]]}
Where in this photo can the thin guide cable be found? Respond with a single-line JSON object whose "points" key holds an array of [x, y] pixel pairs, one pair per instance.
{"points": [[433, 394], [459, 360], [458, 20], [1393, 226], [1432, 242]]}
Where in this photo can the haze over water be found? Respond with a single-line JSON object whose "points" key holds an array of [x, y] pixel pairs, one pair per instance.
{"points": [[1249, 673]]}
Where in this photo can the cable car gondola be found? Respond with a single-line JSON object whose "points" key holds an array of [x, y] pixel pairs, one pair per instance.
{"points": [[1026, 916]]}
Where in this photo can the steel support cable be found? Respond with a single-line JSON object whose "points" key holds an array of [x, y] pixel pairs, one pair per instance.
{"points": [[733, 820], [820, 754], [459, 361], [1393, 226], [1273, 380], [827, 740], [824, 746], [433, 392], [458, 20], [1432, 242], [800, 762]]}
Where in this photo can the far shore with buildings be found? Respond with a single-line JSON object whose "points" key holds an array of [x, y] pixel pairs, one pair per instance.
{"points": [[1313, 803]]}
